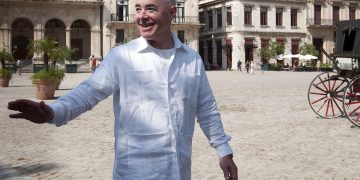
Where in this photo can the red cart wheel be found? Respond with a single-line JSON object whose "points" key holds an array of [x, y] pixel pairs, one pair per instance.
{"points": [[325, 94], [351, 101]]}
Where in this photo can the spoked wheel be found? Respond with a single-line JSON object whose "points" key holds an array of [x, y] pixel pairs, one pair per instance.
{"points": [[352, 101], [326, 93]]}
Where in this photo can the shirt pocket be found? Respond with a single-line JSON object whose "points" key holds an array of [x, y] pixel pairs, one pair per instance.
{"points": [[189, 87], [138, 85]]}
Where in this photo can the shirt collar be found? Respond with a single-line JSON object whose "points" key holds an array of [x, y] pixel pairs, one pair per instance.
{"points": [[143, 44]]}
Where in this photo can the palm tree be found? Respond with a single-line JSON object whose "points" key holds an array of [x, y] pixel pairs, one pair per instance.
{"points": [[44, 46]]}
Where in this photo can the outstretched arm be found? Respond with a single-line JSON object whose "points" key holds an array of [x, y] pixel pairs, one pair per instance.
{"points": [[30, 110]]}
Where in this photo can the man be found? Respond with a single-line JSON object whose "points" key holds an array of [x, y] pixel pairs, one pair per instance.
{"points": [[159, 85], [239, 65], [93, 63]]}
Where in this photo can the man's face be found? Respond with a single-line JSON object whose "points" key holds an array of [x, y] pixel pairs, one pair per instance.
{"points": [[153, 18]]}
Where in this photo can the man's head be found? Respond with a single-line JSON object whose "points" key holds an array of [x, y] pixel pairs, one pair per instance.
{"points": [[153, 19]]}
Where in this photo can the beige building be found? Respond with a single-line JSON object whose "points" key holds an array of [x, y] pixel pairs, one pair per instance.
{"points": [[236, 30], [322, 16], [91, 26]]}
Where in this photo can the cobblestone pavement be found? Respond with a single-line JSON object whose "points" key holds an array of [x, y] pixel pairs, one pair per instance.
{"points": [[275, 135]]}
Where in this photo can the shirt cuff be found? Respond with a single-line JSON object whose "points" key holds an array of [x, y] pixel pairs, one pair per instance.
{"points": [[223, 150], [58, 114]]}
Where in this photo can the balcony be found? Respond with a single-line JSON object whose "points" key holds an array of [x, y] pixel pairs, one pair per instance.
{"points": [[315, 22], [186, 19], [123, 18]]}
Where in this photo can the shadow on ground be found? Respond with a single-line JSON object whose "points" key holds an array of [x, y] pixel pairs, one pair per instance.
{"points": [[15, 172]]}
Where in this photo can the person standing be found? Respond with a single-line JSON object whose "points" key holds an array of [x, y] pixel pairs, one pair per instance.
{"points": [[251, 67], [159, 86], [93, 63]]}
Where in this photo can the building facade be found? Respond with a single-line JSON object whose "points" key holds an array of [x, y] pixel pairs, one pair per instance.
{"points": [[91, 26], [236, 30], [322, 16]]}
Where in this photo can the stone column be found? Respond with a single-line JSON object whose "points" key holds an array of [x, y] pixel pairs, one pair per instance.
{"points": [[68, 37], [95, 42]]}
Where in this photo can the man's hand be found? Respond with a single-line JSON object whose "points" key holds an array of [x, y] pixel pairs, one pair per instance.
{"points": [[33, 111], [229, 168]]}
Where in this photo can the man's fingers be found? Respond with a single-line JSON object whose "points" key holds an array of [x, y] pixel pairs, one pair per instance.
{"points": [[226, 174], [17, 116], [19, 105]]}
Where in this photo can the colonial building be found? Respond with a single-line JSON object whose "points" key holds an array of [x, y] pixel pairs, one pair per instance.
{"points": [[236, 30], [91, 26], [322, 16], [120, 26]]}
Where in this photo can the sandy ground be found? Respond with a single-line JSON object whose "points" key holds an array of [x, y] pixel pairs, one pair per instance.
{"points": [[275, 134]]}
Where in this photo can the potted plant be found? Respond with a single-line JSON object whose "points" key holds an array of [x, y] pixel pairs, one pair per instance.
{"points": [[68, 54], [5, 76], [47, 79], [6, 71], [46, 82]]}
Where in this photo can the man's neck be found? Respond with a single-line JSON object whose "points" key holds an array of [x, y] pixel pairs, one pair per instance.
{"points": [[165, 44]]}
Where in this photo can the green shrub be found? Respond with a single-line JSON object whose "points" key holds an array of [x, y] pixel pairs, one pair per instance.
{"points": [[5, 73], [53, 74]]}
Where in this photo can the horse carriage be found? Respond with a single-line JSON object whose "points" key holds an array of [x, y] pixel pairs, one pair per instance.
{"points": [[334, 94]]}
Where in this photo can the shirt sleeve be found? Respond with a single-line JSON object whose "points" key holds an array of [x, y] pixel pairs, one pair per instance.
{"points": [[209, 118], [86, 95]]}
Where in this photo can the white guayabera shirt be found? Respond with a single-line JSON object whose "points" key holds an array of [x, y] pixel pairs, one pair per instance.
{"points": [[154, 114]]}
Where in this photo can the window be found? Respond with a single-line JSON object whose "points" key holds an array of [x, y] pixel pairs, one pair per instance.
{"points": [[219, 53], [228, 16], [180, 12], [120, 37], [294, 17], [352, 12], [210, 19], [279, 16], [181, 35], [219, 17], [263, 16], [336, 14], [122, 10], [209, 46], [317, 13], [247, 15]]}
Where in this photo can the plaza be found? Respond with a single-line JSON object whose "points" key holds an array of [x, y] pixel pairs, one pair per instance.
{"points": [[275, 134]]}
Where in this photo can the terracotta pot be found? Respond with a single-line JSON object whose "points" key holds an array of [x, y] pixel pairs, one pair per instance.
{"points": [[45, 89], [4, 82]]}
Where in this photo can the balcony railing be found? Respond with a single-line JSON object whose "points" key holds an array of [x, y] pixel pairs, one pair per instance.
{"points": [[123, 18], [186, 19], [131, 18], [321, 22]]}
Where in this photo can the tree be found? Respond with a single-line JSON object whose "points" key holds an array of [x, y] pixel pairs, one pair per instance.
{"points": [[308, 49], [272, 50], [60, 53], [44, 46]]}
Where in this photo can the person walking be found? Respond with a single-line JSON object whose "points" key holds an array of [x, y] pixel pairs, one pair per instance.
{"points": [[247, 66], [239, 65], [159, 86], [18, 67]]}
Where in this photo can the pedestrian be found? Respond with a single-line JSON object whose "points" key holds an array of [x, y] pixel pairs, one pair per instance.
{"points": [[247, 66], [18, 67], [93, 63], [159, 86], [251, 67], [239, 65]]}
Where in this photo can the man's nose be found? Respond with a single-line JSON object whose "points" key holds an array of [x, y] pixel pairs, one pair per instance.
{"points": [[142, 14]]}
